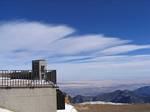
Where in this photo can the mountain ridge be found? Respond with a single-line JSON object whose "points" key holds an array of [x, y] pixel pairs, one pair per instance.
{"points": [[140, 95]]}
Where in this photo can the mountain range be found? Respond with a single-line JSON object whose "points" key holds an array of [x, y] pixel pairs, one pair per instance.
{"points": [[140, 95], [96, 87]]}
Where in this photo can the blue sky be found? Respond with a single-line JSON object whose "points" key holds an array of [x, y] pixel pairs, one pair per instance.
{"points": [[86, 40]]}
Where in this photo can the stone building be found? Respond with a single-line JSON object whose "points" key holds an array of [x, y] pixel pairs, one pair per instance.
{"points": [[33, 90]]}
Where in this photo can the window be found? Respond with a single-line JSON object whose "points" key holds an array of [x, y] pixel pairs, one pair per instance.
{"points": [[42, 68]]}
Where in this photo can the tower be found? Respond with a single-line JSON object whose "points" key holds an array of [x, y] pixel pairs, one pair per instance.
{"points": [[38, 69]]}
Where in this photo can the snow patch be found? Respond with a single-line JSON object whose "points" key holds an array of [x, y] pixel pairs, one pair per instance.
{"points": [[68, 108], [4, 110], [101, 102]]}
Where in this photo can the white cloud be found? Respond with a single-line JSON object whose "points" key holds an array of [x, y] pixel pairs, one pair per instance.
{"points": [[30, 35], [86, 43], [20, 42], [123, 49], [34, 38]]}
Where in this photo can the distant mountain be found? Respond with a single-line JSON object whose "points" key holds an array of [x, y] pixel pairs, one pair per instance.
{"points": [[140, 95], [81, 99], [119, 96], [143, 91], [95, 87]]}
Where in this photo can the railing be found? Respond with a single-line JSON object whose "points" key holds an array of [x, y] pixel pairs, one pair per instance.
{"points": [[26, 78]]}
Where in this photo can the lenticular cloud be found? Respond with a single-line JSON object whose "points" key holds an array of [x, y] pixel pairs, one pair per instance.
{"points": [[23, 40]]}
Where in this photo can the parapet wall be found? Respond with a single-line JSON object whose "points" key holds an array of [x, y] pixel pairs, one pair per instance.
{"points": [[29, 99]]}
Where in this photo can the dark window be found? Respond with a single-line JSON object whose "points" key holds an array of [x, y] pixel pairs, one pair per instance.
{"points": [[42, 68], [43, 76]]}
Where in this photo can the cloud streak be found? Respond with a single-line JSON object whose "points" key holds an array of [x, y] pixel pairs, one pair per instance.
{"points": [[124, 49]]}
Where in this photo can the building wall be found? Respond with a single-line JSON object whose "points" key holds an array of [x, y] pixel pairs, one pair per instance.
{"points": [[29, 99]]}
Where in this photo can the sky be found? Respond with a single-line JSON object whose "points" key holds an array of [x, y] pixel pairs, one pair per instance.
{"points": [[82, 40]]}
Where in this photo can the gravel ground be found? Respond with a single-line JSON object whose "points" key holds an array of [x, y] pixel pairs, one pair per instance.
{"points": [[113, 108]]}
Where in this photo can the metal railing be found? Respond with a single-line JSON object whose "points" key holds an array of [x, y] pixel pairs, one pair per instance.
{"points": [[26, 78]]}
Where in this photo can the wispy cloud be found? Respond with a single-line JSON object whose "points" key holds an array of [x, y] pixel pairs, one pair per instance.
{"points": [[21, 41], [76, 45], [124, 49]]}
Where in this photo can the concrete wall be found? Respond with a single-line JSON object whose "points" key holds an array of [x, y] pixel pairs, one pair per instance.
{"points": [[29, 99]]}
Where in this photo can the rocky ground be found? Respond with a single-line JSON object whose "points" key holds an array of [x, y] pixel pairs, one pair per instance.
{"points": [[112, 108]]}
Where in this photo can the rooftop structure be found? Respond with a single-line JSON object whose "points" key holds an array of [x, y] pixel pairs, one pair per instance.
{"points": [[39, 68], [38, 76]]}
